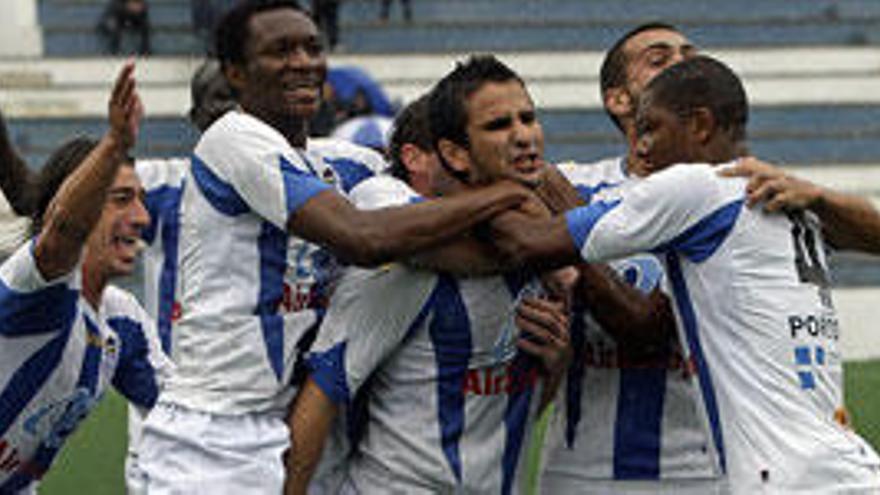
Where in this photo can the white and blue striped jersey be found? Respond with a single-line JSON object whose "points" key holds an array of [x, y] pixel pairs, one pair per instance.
{"points": [[754, 311], [448, 395], [622, 414], [57, 356], [249, 293]]}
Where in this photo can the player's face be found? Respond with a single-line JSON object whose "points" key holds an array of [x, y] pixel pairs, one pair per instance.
{"points": [[663, 137], [285, 66], [506, 139], [649, 53], [116, 241]]}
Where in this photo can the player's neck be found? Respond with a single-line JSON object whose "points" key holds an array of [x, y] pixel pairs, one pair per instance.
{"points": [[93, 283], [633, 166]]}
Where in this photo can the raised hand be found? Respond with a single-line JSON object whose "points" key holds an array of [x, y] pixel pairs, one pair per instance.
{"points": [[125, 109]]}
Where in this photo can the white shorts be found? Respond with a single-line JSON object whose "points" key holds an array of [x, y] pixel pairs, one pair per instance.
{"points": [[556, 486], [185, 452]]}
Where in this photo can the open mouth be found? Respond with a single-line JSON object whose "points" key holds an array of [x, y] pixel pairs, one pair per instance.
{"points": [[129, 246]]}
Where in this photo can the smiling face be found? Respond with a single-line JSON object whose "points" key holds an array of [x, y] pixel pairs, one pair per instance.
{"points": [[284, 67], [114, 243], [505, 139]]}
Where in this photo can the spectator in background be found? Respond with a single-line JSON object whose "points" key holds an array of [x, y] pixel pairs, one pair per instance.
{"points": [[326, 15], [121, 15], [15, 197], [386, 9]]}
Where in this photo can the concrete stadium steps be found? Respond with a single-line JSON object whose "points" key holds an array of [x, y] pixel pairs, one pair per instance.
{"points": [[481, 25]]}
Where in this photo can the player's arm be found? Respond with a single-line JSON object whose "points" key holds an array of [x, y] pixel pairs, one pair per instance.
{"points": [[373, 237], [545, 335], [309, 421], [77, 206], [848, 221]]}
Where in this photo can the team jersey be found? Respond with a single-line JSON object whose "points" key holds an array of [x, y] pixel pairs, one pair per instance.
{"points": [[622, 415], [57, 356], [13, 228], [448, 396], [754, 310], [249, 293]]}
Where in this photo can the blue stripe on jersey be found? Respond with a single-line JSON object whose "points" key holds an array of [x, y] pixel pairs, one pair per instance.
{"points": [[220, 194], [574, 381], [450, 331], [299, 186], [587, 192], [46, 310], [273, 262], [135, 377], [27, 380], [638, 425], [702, 239], [692, 334], [516, 416], [350, 172], [327, 369], [582, 220], [163, 203], [88, 376]]}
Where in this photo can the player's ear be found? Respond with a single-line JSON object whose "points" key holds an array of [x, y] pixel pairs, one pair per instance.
{"points": [[411, 158], [455, 155], [235, 76], [618, 101], [702, 124]]}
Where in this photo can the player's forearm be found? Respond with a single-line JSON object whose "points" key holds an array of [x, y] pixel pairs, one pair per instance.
{"points": [[309, 421], [849, 222], [76, 208], [538, 244], [557, 192], [623, 311], [368, 238]]}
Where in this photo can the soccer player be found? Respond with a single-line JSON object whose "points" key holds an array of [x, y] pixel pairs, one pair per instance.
{"points": [[627, 421], [449, 396], [66, 335], [750, 289], [256, 196]]}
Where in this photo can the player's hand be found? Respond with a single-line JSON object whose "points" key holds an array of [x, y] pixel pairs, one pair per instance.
{"points": [[125, 109], [544, 327], [773, 187], [560, 284]]}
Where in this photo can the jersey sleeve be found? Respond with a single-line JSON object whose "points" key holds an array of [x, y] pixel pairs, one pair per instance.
{"points": [[162, 180], [29, 304], [370, 314], [686, 208], [382, 191], [142, 367], [244, 165]]}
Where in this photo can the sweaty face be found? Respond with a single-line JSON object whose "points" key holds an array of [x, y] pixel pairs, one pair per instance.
{"points": [[116, 240], [650, 53], [284, 67], [663, 137], [506, 139]]}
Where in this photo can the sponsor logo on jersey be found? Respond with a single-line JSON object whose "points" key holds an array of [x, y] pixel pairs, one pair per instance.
{"points": [[509, 379]]}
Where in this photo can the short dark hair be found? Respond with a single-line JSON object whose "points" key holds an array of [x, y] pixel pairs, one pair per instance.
{"points": [[703, 82], [448, 98], [411, 126], [612, 74], [61, 163], [232, 31]]}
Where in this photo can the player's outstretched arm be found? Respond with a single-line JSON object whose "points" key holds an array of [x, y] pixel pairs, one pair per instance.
{"points": [[545, 335], [372, 237], [77, 206], [309, 421], [849, 222]]}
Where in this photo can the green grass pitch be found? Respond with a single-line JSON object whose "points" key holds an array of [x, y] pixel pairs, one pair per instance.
{"points": [[93, 458]]}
